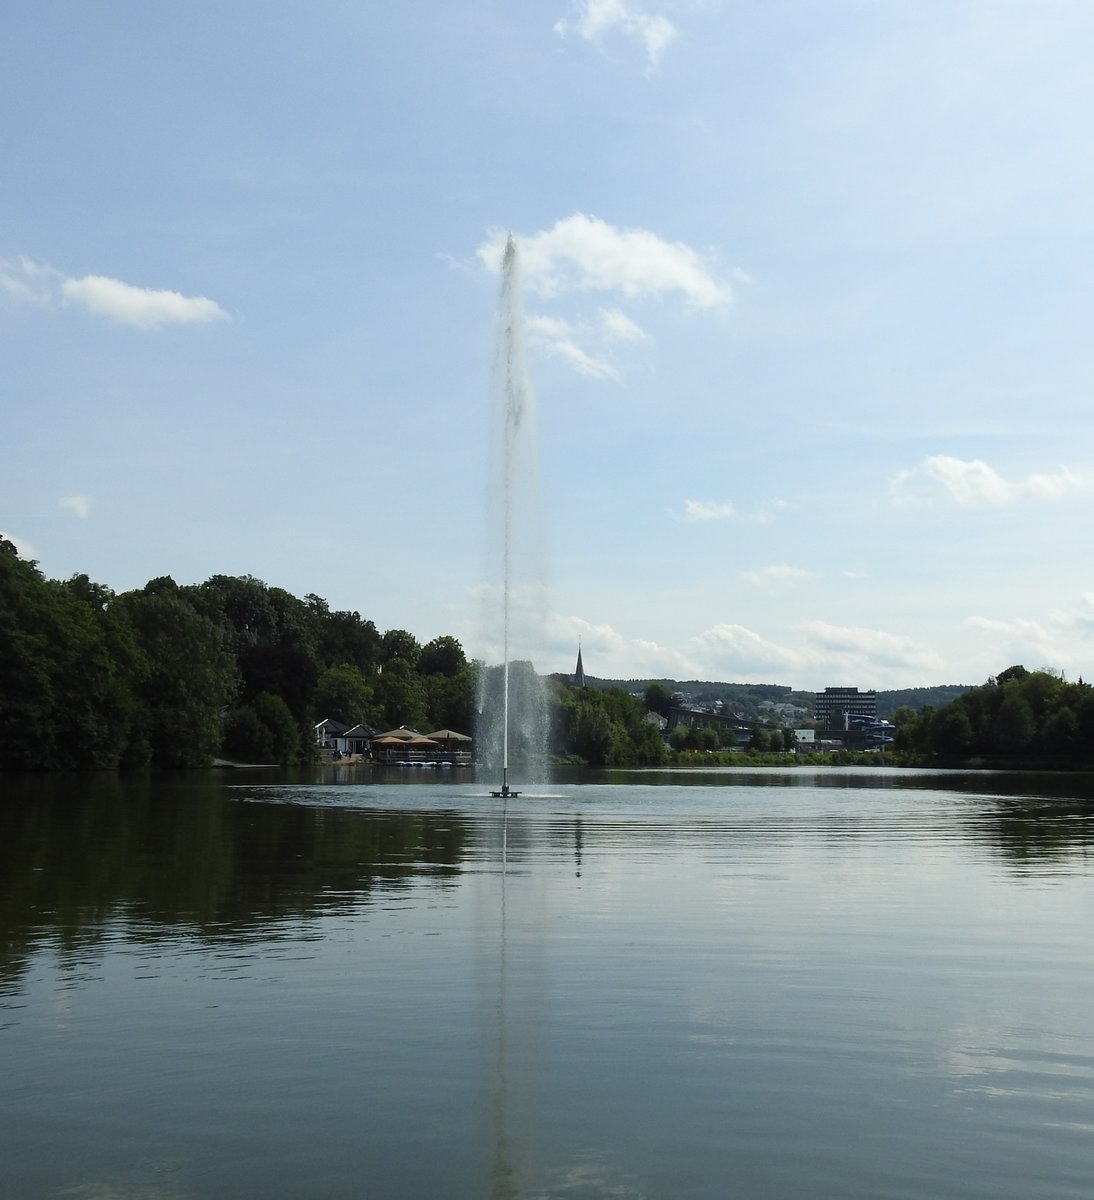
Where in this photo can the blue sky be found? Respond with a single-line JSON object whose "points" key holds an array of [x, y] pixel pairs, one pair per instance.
{"points": [[808, 287]]}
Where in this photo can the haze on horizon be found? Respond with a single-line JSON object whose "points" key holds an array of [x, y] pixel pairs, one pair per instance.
{"points": [[808, 290]]}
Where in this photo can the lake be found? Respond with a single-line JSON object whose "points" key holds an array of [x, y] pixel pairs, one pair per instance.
{"points": [[792, 985]]}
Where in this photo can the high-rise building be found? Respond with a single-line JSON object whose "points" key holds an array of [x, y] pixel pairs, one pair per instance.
{"points": [[836, 707]]}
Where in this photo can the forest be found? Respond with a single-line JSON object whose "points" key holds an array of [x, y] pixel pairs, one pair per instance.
{"points": [[1017, 718], [173, 676]]}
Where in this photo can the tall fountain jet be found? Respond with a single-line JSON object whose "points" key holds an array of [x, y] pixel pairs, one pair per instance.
{"points": [[512, 706]]}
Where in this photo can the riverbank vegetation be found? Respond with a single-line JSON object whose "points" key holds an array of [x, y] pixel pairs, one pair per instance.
{"points": [[1018, 718], [173, 676]]}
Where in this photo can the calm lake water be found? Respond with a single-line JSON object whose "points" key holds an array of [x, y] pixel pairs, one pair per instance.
{"points": [[807, 985]]}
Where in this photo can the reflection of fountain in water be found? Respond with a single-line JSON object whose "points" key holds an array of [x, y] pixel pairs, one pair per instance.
{"points": [[512, 710]]}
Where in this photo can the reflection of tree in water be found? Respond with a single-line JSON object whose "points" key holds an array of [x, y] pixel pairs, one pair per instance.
{"points": [[1037, 832], [167, 853]]}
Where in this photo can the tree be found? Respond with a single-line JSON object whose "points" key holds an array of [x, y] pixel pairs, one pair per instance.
{"points": [[1014, 724], [185, 676], [593, 734], [442, 656], [450, 700], [684, 737], [708, 739], [343, 637], [951, 732], [272, 635], [1060, 733], [658, 699], [345, 694], [401, 696], [262, 732], [760, 741], [63, 702], [283, 731], [397, 643]]}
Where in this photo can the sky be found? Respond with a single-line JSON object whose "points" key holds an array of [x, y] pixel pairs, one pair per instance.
{"points": [[807, 284]]}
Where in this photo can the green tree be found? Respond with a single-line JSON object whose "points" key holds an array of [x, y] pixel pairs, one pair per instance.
{"points": [[1014, 725], [450, 700], [951, 732], [262, 732], [760, 741], [1060, 733], [397, 643], [344, 637], [708, 739], [285, 741], [401, 696], [684, 737], [185, 678], [442, 656], [658, 699], [63, 703], [593, 734], [272, 635], [246, 738], [345, 694]]}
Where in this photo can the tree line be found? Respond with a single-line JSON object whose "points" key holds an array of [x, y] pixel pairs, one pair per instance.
{"points": [[174, 676], [1019, 717]]}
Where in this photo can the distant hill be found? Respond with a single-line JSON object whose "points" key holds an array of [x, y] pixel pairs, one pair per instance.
{"points": [[751, 699], [917, 698]]}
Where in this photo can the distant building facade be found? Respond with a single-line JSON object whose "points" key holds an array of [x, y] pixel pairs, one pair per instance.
{"points": [[843, 708]]}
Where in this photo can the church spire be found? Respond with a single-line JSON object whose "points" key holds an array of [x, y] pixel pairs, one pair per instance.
{"points": [[579, 673]]}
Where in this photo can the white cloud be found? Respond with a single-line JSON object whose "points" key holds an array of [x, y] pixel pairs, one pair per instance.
{"points": [[593, 20], [29, 282], [25, 549], [79, 506], [871, 647], [734, 652], [617, 326], [144, 308], [1085, 616], [585, 345], [776, 579], [562, 339], [607, 654], [972, 483], [723, 510], [829, 654], [1063, 638], [584, 254], [1021, 640], [708, 510]]}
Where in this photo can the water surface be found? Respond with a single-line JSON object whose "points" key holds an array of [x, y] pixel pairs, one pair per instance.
{"points": [[810, 984]]}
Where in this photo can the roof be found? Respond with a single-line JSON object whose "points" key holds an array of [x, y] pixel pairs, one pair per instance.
{"points": [[402, 733], [333, 726]]}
